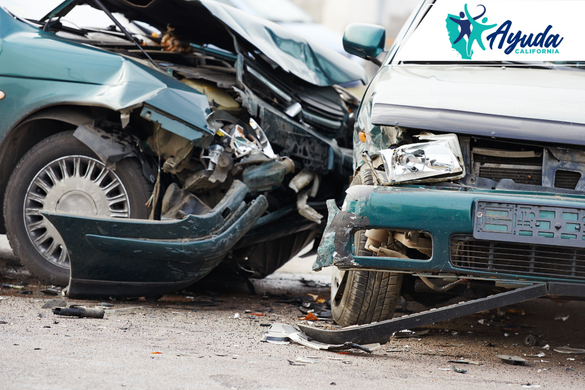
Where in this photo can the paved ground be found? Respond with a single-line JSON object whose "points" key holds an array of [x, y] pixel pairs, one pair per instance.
{"points": [[176, 343]]}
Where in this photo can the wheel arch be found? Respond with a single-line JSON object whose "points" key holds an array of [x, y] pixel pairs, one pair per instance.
{"points": [[32, 130]]}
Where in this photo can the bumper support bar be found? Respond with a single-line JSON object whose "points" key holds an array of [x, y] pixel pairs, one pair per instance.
{"points": [[380, 332]]}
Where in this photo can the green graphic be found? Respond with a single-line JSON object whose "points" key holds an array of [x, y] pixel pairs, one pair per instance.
{"points": [[466, 26]]}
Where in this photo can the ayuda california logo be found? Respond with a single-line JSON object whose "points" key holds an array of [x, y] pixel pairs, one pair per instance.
{"points": [[465, 29]]}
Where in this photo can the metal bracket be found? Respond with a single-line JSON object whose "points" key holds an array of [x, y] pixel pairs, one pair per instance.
{"points": [[380, 332]]}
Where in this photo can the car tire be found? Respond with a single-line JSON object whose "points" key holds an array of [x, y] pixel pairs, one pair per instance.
{"points": [[62, 174], [362, 297]]}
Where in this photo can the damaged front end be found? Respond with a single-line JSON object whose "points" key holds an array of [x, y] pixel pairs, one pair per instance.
{"points": [[238, 127]]}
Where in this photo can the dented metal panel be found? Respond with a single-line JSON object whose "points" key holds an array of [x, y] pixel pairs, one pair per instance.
{"points": [[147, 258]]}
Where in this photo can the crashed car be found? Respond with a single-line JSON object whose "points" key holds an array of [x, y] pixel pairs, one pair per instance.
{"points": [[135, 163], [469, 161]]}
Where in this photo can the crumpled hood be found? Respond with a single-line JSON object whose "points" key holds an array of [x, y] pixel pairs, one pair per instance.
{"points": [[209, 22], [520, 103]]}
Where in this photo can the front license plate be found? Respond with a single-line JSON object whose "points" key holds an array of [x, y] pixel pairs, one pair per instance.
{"points": [[528, 223]]}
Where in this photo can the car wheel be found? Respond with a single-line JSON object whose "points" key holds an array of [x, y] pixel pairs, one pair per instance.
{"points": [[61, 174], [362, 297]]}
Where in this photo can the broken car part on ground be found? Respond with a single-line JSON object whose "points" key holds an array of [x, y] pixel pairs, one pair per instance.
{"points": [[144, 154], [468, 179]]}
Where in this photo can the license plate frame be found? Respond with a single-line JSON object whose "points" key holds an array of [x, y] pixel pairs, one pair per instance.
{"points": [[529, 223]]}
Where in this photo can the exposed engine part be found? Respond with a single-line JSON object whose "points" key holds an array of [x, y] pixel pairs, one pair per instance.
{"points": [[216, 96], [415, 241], [376, 238], [268, 175], [264, 143], [301, 180], [215, 152], [400, 244], [174, 149], [224, 164], [171, 43], [178, 204], [305, 210], [198, 182], [385, 252]]}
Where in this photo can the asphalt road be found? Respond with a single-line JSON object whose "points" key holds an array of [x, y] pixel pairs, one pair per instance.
{"points": [[178, 343]]}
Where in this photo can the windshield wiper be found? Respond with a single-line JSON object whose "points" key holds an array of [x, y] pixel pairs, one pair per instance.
{"points": [[128, 35]]}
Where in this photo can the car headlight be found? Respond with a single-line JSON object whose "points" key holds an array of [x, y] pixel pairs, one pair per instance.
{"points": [[438, 159]]}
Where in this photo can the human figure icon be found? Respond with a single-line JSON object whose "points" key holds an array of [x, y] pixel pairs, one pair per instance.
{"points": [[465, 24], [477, 30]]}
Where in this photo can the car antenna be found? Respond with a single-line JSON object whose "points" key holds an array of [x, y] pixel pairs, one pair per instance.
{"points": [[103, 8]]}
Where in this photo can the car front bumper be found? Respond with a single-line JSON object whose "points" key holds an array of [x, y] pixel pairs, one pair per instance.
{"points": [[448, 214], [133, 258]]}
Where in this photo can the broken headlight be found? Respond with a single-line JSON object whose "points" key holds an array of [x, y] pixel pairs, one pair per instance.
{"points": [[439, 159]]}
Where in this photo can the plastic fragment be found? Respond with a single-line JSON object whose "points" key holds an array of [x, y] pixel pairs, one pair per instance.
{"points": [[311, 317], [546, 347], [569, 350], [459, 370], [237, 316], [50, 291], [156, 353], [256, 314], [514, 360], [123, 310], [465, 361], [561, 317], [407, 333], [12, 286]]}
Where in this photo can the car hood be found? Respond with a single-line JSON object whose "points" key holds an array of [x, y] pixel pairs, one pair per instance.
{"points": [[209, 22], [454, 97]]}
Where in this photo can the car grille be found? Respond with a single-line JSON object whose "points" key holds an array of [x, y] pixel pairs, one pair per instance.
{"points": [[520, 175], [519, 259]]}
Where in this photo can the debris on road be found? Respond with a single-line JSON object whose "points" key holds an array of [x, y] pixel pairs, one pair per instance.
{"points": [[281, 333], [561, 317], [530, 340], [79, 312], [465, 361], [569, 350], [514, 360], [459, 370], [407, 333], [54, 303]]}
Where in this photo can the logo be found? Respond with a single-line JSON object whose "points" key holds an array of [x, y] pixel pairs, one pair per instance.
{"points": [[465, 30], [466, 33]]}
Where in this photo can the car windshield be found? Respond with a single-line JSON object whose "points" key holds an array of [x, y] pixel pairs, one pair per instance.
{"points": [[280, 11]]}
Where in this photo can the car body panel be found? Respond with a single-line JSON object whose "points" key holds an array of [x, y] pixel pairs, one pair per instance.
{"points": [[541, 94], [306, 59], [138, 258], [440, 212], [102, 79]]}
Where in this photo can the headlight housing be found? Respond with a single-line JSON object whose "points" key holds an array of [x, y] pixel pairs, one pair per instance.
{"points": [[436, 160]]}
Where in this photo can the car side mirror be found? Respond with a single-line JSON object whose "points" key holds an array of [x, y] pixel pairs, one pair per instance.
{"points": [[365, 41]]}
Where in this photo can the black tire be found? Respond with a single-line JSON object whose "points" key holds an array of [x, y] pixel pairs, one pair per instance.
{"points": [[362, 297], [86, 188]]}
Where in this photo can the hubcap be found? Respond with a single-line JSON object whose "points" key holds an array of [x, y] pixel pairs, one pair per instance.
{"points": [[77, 185]]}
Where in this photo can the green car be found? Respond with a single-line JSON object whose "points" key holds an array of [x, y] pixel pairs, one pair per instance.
{"points": [[469, 162], [145, 144]]}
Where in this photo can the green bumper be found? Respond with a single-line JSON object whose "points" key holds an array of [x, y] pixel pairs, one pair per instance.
{"points": [[444, 213]]}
